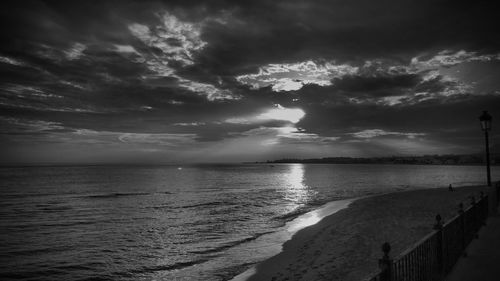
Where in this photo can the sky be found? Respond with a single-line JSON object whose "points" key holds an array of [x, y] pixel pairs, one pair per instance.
{"points": [[231, 81]]}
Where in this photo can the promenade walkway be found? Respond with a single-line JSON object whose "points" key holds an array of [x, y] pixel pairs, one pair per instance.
{"points": [[482, 262]]}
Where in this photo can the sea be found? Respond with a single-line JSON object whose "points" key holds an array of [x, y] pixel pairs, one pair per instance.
{"points": [[179, 222]]}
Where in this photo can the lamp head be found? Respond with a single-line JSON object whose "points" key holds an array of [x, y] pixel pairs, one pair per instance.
{"points": [[485, 119]]}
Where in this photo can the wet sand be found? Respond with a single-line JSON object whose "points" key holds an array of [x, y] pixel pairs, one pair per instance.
{"points": [[346, 245]]}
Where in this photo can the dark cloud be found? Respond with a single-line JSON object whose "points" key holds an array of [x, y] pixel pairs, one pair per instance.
{"points": [[86, 74], [347, 30], [377, 84]]}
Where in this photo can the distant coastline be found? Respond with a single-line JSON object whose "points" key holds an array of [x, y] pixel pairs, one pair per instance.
{"points": [[449, 159]]}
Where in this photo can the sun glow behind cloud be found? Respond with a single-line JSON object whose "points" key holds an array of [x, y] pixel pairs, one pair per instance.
{"points": [[279, 113], [292, 115]]}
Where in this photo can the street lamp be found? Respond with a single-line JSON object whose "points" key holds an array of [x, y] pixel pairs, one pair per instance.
{"points": [[485, 119]]}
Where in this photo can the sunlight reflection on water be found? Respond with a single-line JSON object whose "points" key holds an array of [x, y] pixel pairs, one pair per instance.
{"points": [[296, 191]]}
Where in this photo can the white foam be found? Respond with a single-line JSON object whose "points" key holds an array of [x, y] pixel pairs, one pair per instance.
{"points": [[303, 221]]}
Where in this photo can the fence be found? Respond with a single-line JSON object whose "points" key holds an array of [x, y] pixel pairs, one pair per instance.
{"points": [[434, 255], [497, 188]]}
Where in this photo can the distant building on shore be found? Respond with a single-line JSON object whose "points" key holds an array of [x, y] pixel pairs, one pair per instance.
{"points": [[449, 159]]}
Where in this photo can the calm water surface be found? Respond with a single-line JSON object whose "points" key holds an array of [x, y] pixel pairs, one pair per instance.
{"points": [[205, 222]]}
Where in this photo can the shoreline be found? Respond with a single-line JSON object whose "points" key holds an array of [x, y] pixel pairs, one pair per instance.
{"points": [[292, 227], [345, 245]]}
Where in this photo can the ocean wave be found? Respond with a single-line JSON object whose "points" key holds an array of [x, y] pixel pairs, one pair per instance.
{"points": [[75, 267], [230, 244], [294, 214], [31, 275], [175, 266], [53, 207], [117, 194], [98, 278], [160, 207], [26, 195], [32, 252], [216, 203]]}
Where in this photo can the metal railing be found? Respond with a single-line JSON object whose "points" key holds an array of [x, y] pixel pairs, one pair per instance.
{"points": [[497, 189], [431, 258]]}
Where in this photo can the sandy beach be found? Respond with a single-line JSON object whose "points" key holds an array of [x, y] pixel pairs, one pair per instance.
{"points": [[346, 245]]}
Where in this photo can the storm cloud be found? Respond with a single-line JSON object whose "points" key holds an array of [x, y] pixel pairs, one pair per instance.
{"points": [[174, 81]]}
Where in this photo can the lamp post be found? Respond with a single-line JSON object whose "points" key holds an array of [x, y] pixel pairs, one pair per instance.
{"points": [[485, 119]]}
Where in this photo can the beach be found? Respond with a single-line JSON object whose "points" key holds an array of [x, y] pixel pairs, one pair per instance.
{"points": [[347, 245]]}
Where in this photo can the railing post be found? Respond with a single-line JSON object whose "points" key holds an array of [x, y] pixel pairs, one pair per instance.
{"points": [[483, 208], [487, 208], [439, 248], [385, 263], [462, 226], [475, 221], [497, 189]]}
